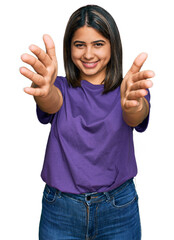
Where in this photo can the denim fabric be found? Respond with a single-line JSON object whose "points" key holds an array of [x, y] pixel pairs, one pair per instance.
{"points": [[99, 216]]}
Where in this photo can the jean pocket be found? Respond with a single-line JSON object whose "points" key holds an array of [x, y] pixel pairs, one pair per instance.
{"points": [[125, 197], [50, 194]]}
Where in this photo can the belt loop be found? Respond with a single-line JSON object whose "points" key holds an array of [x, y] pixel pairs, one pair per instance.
{"points": [[59, 193], [108, 198]]}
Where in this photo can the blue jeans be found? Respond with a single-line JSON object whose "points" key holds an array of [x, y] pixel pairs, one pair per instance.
{"points": [[111, 215]]}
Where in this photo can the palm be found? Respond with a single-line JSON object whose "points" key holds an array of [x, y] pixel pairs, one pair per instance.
{"points": [[135, 84], [45, 66]]}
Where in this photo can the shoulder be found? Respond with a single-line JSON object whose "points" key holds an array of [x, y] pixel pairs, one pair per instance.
{"points": [[61, 83]]}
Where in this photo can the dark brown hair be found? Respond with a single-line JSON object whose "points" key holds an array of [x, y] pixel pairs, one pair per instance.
{"points": [[99, 19]]}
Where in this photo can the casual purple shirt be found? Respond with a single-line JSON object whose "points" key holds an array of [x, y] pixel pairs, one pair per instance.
{"points": [[90, 147]]}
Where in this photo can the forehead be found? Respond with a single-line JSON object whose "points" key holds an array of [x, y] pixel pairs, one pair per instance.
{"points": [[88, 34]]}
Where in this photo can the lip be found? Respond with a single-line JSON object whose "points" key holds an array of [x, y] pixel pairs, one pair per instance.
{"points": [[90, 64]]}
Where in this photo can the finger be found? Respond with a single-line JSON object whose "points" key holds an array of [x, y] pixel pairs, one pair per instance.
{"points": [[50, 47], [143, 75], [34, 77], [135, 95], [35, 63], [131, 103], [36, 92], [42, 56], [143, 84], [138, 63]]}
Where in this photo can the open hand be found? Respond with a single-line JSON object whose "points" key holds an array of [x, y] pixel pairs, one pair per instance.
{"points": [[135, 84], [45, 66]]}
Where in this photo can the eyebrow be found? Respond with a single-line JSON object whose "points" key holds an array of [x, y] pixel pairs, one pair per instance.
{"points": [[91, 42]]}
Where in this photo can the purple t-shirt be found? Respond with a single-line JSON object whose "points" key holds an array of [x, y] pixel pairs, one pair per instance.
{"points": [[90, 147]]}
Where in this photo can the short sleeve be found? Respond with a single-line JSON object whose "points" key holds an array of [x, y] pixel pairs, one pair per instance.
{"points": [[44, 117], [143, 126]]}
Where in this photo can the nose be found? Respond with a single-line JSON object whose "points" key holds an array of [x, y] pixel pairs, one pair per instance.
{"points": [[88, 54]]}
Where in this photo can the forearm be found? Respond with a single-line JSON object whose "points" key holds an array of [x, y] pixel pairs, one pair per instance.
{"points": [[50, 103], [135, 117]]}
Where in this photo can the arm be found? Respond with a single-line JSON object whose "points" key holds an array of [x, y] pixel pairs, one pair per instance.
{"points": [[47, 96], [133, 91]]}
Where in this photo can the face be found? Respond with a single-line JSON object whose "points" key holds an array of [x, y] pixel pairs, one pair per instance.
{"points": [[90, 52]]}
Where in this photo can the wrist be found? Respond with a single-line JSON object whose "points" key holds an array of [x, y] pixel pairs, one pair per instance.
{"points": [[135, 115], [134, 109]]}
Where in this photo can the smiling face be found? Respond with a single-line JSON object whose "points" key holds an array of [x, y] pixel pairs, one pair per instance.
{"points": [[90, 52]]}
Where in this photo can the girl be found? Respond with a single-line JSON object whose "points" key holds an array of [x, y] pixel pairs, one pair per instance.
{"points": [[89, 162]]}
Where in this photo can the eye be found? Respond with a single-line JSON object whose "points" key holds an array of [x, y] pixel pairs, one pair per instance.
{"points": [[99, 44], [79, 45]]}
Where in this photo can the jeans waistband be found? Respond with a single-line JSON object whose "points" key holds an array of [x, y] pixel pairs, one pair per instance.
{"points": [[94, 196]]}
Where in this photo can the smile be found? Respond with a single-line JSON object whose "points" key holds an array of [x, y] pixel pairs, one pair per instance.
{"points": [[90, 64]]}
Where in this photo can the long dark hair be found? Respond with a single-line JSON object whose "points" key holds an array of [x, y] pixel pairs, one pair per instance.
{"points": [[99, 19]]}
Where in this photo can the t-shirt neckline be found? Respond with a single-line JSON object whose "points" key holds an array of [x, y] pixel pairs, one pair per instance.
{"points": [[90, 85]]}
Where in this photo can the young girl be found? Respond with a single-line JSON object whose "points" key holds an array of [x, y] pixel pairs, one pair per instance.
{"points": [[89, 162]]}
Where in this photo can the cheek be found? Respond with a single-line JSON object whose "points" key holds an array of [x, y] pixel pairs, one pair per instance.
{"points": [[105, 55], [76, 60], [108, 54], [106, 59], [75, 55]]}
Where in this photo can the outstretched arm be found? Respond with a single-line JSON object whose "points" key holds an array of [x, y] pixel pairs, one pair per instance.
{"points": [[133, 91], [47, 96]]}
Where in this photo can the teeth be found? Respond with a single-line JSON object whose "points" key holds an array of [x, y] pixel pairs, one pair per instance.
{"points": [[90, 64]]}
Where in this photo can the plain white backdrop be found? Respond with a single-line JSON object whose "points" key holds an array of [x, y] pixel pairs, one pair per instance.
{"points": [[145, 25]]}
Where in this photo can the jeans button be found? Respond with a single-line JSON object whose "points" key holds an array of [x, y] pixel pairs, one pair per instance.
{"points": [[88, 198]]}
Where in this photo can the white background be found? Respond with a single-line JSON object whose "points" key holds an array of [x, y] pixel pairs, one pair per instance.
{"points": [[145, 25]]}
